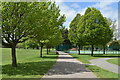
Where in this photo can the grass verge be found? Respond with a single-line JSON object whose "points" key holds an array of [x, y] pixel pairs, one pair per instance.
{"points": [[30, 65], [99, 72]]}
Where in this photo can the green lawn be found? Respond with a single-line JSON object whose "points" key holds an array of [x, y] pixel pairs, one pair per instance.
{"points": [[101, 73], [114, 61], [30, 65]]}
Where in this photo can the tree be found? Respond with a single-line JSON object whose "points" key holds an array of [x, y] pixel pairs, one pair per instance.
{"points": [[54, 40], [107, 34], [113, 25], [73, 34], [96, 28], [28, 44], [47, 22], [16, 24]]}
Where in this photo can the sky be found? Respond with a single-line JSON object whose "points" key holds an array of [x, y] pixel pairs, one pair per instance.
{"points": [[109, 8]]}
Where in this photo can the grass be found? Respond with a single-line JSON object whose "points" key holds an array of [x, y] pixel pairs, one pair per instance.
{"points": [[114, 61], [102, 73], [99, 72], [30, 65]]}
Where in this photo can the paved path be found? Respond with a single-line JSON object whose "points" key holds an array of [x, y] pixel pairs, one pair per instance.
{"points": [[68, 67], [101, 62]]}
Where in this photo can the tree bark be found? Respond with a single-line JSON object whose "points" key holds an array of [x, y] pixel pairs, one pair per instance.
{"points": [[41, 50], [14, 61], [92, 46], [47, 50], [78, 49], [103, 49]]}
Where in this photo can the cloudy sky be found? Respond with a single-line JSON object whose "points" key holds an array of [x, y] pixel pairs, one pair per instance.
{"points": [[71, 8]]}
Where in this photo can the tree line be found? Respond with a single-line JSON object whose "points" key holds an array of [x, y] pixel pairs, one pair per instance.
{"points": [[92, 28], [40, 22]]}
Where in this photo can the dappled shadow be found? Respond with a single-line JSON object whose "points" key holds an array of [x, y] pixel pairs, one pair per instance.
{"points": [[29, 68], [64, 68], [40, 68]]}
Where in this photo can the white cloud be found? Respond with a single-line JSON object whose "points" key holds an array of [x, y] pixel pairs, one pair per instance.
{"points": [[108, 11], [70, 11], [75, 5]]}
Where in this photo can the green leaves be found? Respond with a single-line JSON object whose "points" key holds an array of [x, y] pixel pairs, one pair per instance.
{"points": [[90, 28], [15, 23]]}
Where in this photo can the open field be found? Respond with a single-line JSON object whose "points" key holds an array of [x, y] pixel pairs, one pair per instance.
{"points": [[102, 73], [30, 65]]}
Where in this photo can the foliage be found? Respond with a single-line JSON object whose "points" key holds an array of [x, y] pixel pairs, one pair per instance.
{"points": [[94, 28], [16, 24], [72, 35], [65, 34], [97, 30], [26, 20], [28, 44], [48, 24]]}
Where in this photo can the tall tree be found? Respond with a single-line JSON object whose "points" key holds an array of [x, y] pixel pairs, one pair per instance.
{"points": [[73, 35], [48, 20], [16, 24], [107, 34], [54, 40], [95, 28]]}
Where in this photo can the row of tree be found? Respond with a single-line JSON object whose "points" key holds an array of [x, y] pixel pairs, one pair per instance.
{"points": [[90, 29], [40, 22]]}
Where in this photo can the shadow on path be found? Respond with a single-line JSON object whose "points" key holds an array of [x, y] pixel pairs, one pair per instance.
{"points": [[64, 68]]}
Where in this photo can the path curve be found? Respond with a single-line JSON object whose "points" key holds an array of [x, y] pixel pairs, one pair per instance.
{"points": [[101, 62], [68, 67]]}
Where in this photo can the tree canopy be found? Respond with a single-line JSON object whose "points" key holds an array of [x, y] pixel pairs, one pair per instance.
{"points": [[38, 21]]}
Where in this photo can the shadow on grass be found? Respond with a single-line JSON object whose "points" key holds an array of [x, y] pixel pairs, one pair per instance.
{"points": [[29, 68], [102, 55], [40, 68], [106, 55], [53, 57]]}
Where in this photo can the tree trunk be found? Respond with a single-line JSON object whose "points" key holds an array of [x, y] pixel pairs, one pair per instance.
{"points": [[47, 50], [41, 50], [79, 49], [14, 61], [103, 49], [92, 49]]}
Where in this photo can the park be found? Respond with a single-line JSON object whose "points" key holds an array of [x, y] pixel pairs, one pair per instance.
{"points": [[37, 45]]}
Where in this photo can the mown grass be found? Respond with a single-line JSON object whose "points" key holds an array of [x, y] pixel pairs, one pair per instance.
{"points": [[102, 73], [99, 72], [30, 65], [114, 61]]}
